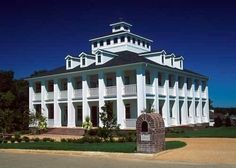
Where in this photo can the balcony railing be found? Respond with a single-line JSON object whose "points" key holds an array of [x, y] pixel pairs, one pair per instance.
{"points": [[77, 93], [172, 91], [37, 96], [63, 94], [110, 91], [181, 92], [50, 96], [149, 89], [130, 123], [130, 89], [93, 92], [161, 90]]}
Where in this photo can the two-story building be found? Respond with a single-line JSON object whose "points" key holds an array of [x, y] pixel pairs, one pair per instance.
{"points": [[122, 69]]}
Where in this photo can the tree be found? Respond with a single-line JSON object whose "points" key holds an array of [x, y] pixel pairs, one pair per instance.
{"points": [[108, 122]]}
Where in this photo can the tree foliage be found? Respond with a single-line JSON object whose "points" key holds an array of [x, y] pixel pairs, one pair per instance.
{"points": [[13, 103]]}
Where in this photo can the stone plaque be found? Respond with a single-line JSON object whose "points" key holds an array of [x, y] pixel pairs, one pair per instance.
{"points": [[145, 137]]}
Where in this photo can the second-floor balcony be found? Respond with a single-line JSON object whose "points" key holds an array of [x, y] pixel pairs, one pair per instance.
{"points": [[77, 94], [149, 89], [161, 90], [130, 90], [63, 94], [37, 97], [110, 91], [50, 96], [93, 92]]}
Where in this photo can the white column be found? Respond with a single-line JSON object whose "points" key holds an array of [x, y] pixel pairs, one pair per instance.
{"points": [[166, 110], [120, 104], [193, 102], [155, 84], [101, 91], [70, 107], [207, 120], [200, 103], [44, 109], [31, 94], [85, 105], [57, 109], [185, 116], [141, 90], [176, 106]]}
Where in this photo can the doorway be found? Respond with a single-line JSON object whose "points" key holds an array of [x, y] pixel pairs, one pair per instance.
{"points": [[94, 116]]}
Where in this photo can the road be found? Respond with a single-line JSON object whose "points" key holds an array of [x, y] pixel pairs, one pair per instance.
{"points": [[39, 160]]}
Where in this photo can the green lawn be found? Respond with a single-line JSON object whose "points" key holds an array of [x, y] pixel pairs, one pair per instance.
{"points": [[220, 132], [128, 147]]}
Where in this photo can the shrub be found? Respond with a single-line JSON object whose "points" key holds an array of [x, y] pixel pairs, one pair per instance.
{"points": [[1, 140], [218, 122], [13, 140], [121, 140], [35, 139], [17, 135], [46, 139], [93, 132], [19, 140], [63, 140], [5, 141], [26, 139]]}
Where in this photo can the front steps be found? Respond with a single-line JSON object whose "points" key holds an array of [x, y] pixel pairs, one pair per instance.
{"points": [[66, 131]]}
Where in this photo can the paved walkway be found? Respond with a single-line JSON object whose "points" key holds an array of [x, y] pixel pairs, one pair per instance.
{"points": [[198, 150]]}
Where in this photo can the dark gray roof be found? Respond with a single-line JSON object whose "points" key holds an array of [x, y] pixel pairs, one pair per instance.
{"points": [[124, 58]]}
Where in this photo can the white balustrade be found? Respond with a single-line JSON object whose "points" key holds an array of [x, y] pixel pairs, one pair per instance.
{"points": [[93, 92], [161, 90], [130, 123], [63, 94], [37, 96], [110, 91], [130, 89], [50, 96], [149, 89], [77, 93]]}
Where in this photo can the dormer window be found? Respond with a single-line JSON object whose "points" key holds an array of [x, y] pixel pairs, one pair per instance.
{"points": [[115, 40], [117, 27], [99, 58], [122, 39], [95, 44], [69, 63], [138, 42], [134, 40], [128, 38], [83, 61], [162, 59], [101, 43], [108, 41], [147, 45], [180, 64], [143, 43], [172, 62]]}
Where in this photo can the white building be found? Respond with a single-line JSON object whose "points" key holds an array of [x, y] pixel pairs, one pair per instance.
{"points": [[121, 68]]}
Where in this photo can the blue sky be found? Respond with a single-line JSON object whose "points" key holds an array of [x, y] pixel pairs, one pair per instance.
{"points": [[36, 35]]}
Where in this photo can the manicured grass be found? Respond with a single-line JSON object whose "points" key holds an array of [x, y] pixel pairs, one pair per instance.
{"points": [[220, 132], [128, 147]]}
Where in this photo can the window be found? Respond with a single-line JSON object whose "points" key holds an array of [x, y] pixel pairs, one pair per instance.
{"points": [[95, 44], [203, 86], [189, 105], [108, 41], [117, 27], [128, 38], [99, 58], [203, 108], [189, 83], [38, 109], [134, 40], [37, 87], [148, 77], [171, 108], [50, 86], [180, 64], [196, 109], [172, 62], [115, 40], [101, 43], [50, 111], [160, 80], [69, 63], [109, 81], [127, 111], [196, 85], [127, 80], [83, 61], [162, 59], [143, 43], [138, 42], [171, 81], [63, 84], [148, 45], [122, 39], [126, 28]]}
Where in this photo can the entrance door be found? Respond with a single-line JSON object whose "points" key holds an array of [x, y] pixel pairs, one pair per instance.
{"points": [[94, 116], [180, 111], [79, 116], [64, 116]]}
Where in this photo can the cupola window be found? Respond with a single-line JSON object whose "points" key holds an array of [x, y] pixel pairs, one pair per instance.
{"points": [[99, 58], [69, 63], [101, 43], [115, 40], [95, 44], [122, 39], [108, 41], [83, 61]]}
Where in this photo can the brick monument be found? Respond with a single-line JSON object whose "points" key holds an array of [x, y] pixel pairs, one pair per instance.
{"points": [[150, 130]]}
